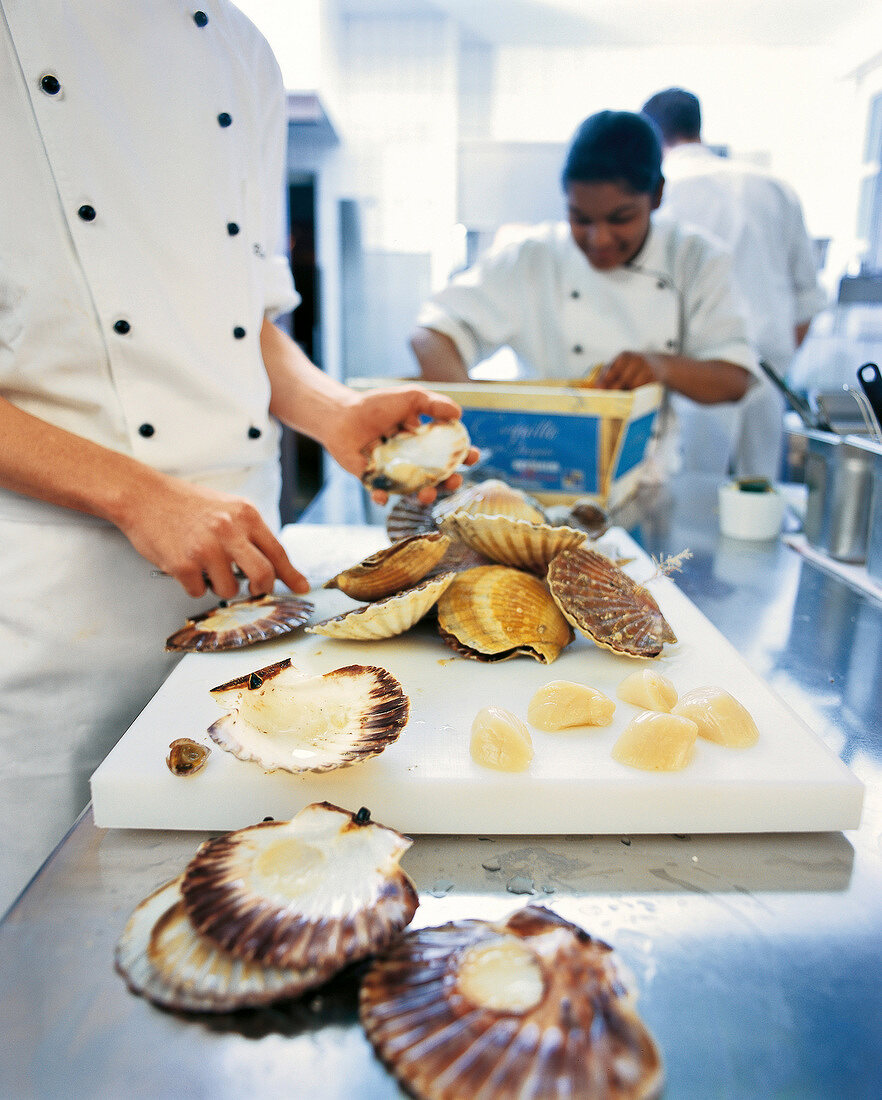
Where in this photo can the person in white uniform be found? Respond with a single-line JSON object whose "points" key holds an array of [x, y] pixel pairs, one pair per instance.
{"points": [[142, 380], [760, 220], [649, 302]]}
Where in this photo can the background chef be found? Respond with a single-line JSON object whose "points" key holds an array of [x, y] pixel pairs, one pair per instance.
{"points": [[141, 378], [649, 302]]}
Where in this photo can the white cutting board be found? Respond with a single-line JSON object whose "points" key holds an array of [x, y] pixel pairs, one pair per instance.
{"points": [[426, 782]]}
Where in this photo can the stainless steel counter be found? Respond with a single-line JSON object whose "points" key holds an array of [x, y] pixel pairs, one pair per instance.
{"points": [[756, 958]]}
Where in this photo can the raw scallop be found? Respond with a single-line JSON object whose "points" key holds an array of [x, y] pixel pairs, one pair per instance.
{"points": [[719, 717], [241, 623], [648, 689], [414, 460], [561, 704]]}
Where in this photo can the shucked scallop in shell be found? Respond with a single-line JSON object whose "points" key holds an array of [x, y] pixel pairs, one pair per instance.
{"points": [[238, 623], [494, 612], [393, 568], [607, 605], [320, 891], [284, 719], [529, 1006], [415, 459]]}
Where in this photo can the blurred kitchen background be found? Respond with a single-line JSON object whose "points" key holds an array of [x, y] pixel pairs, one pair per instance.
{"points": [[420, 128]]}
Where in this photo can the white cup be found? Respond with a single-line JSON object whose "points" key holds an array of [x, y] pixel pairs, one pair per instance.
{"points": [[746, 515]]}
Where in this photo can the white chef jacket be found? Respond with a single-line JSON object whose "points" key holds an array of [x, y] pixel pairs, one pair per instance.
{"points": [[759, 219], [141, 186]]}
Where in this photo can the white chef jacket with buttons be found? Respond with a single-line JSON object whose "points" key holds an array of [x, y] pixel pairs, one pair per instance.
{"points": [[141, 187], [760, 221]]}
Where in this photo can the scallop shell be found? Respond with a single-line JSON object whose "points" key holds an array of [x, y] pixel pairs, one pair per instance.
{"points": [[162, 957], [393, 568], [240, 623], [409, 516], [489, 498], [322, 890], [515, 542], [415, 459], [386, 618], [589, 517], [606, 605], [529, 1006], [285, 720], [494, 612]]}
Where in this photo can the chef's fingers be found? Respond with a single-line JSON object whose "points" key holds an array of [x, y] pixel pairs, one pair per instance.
{"points": [[269, 564]]}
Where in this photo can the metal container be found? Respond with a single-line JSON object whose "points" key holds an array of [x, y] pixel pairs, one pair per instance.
{"points": [[874, 539], [839, 474]]}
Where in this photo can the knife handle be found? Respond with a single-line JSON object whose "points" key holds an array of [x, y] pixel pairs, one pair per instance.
{"points": [[870, 378]]}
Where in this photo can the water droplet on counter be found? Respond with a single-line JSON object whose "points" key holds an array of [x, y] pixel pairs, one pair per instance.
{"points": [[440, 889], [520, 884], [493, 864]]}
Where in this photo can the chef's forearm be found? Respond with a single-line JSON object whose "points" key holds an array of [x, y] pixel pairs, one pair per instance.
{"points": [[438, 356], [707, 381]]}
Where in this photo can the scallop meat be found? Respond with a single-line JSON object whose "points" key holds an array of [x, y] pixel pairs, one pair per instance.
{"points": [[393, 568], [606, 605], [386, 618], [720, 717], [317, 892], [515, 542], [415, 459], [284, 719], [494, 612], [528, 1006], [243, 622]]}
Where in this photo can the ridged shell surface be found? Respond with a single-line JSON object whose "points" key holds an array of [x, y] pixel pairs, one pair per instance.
{"points": [[531, 1006], [319, 891], [393, 568], [162, 957], [408, 516], [495, 612], [414, 460], [514, 542], [606, 605], [241, 623], [489, 498], [285, 720], [385, 618]]}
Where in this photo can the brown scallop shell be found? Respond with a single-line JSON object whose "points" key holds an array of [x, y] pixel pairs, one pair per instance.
{"points": [[408, 516], [241, 623], [494, 612], [581, 1036], [606, 605], [162, 957], [514, 542], [417, 458], [386, 618], [588, 516], [285, 720], [489, 498], [319, 891], [393, 568]]}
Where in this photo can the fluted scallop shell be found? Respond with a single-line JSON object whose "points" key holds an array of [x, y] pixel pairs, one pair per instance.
{"points": [[531, 1006], [320, 891], [241, 623], [286, 720], [606, 605], [409, 516], [393, 568], [162, 957], [386, 618], [489, 498], [415, 459], [495, 612], [515, 542]]}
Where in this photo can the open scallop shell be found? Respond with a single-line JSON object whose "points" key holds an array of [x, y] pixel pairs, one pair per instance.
{"points": [[320, 891], [515, 542], [606, 605], [588, 516], [415, 459], [393, 568], [493, 612], [162, 957], [240, 623], [529, 1006], [285, 720], [489, 498], [386, 618]]}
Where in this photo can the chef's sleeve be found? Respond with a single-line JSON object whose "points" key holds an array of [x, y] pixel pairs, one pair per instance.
{"points": [[808, 296]]}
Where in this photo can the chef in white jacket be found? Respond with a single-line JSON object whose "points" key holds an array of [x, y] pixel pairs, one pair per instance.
{"points": [[760, 221], [648, 302], [142, 380]]}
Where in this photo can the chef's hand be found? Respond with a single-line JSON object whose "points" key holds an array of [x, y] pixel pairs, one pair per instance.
{"points": [[196, 535], [629, 370], [371, 416]]}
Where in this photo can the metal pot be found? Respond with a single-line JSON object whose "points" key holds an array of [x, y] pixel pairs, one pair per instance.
{"points": [[839, 474]]}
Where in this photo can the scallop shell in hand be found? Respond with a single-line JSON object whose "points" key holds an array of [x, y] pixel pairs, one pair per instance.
{"points": [[286, 720], [415, 459], [321, 890], [241, 623], [529, 1006], [606, 605]]}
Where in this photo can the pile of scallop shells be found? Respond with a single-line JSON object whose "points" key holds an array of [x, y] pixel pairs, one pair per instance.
{"points": [[500, 580]]}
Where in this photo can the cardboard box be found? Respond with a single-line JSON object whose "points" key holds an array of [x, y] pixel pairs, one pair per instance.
{"points": [[555, 440]]}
